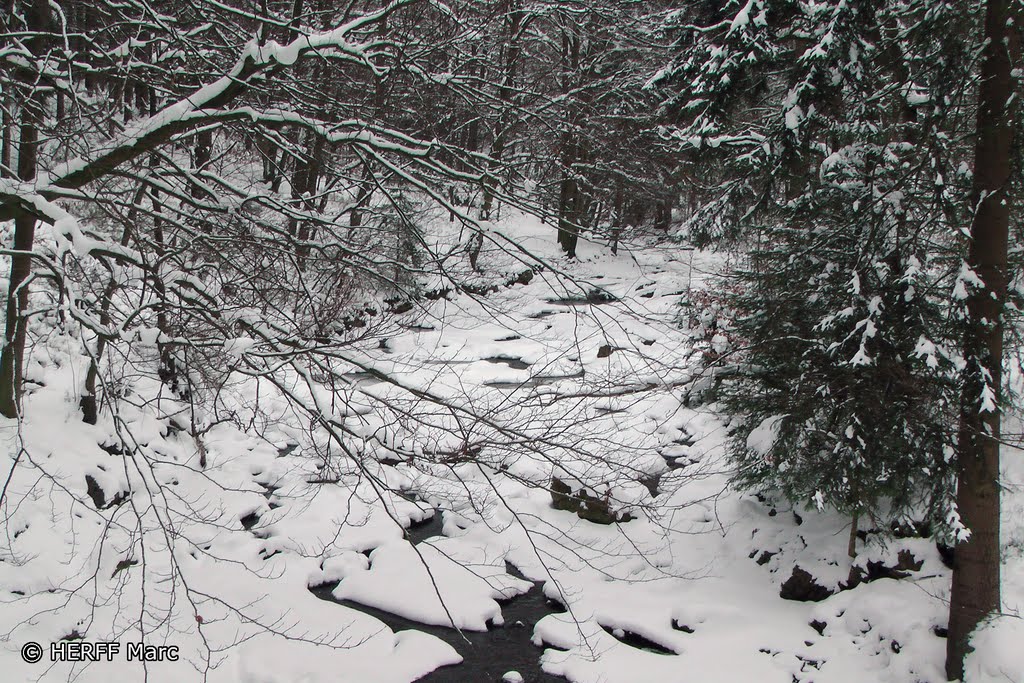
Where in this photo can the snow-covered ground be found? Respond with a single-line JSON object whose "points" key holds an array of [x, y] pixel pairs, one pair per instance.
{"points": [[219, 560]]}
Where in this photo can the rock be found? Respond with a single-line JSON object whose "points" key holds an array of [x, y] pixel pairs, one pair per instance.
{"points": [[585, 505], [911, 529], [801, 586], [905, 563], [95, 491], [819, 626], [113, 448], [437, 294], [679, 626], [512, 677], [122, 565], [524, 277], [947, 553], [250, 520], [561, 495], [399, 306]]}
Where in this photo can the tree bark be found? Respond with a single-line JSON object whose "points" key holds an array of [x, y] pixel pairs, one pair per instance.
{"points": [[851, 545], [202, 155], [569, 187], [89, 401], [975, 589], [568, 213], [506, 93], [6, 127], [16, 324], [366, 186]]}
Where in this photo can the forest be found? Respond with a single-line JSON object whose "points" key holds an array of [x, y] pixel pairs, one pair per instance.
{"points": [[519, 341]]}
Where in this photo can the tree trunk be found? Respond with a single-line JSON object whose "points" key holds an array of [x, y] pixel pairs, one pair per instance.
{"points": [[89, 401], [15, 329], [617, 215], [569, 187], [505, 94], [355, 217], [6, 127], [975, 589], [851, 545], [269, 154], [310, 181], [202, 155], [663, 211], [568, 213], [15, 332], [366, 186]]}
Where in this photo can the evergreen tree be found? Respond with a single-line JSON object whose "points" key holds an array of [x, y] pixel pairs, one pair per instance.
{"points": [[834, 135]]}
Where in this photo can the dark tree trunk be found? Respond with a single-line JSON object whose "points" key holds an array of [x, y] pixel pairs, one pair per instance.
{"points": [[312, 181], [168, 370], [975, 591], [663, 213], [300, 186], [505, 93], [89, 402], [140, 98], [202, 154], [617, 215], [355, 218], [569, 188], [366, 186], [6, 127], [305, 180], [268, 152], [15, 331], [568, 202], [16, 324]]}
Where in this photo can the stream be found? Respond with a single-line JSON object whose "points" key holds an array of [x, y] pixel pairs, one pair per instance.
{"points": [[487, 655]]}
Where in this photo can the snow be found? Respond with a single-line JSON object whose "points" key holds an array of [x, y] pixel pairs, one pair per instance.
{"points": [[966, 278], [464, 582], [762, 438], [997, 654], [685, 574], [742, 17], [793, 117]]}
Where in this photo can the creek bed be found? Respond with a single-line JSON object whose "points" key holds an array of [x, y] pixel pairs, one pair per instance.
{"points": [[486, 655]]}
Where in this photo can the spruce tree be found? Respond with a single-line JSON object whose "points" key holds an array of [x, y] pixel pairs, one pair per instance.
{"points": [[829, 137]]}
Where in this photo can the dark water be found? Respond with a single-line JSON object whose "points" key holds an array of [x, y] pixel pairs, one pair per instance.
{"points": [[535, 381], [486, 655], [595, 297], [511, 361]]}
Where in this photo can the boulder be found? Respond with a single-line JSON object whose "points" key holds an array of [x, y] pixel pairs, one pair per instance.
{"points": [[583, 503]]}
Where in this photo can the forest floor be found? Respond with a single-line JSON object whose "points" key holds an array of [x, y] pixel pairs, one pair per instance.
{"points": [[276, 563]]}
